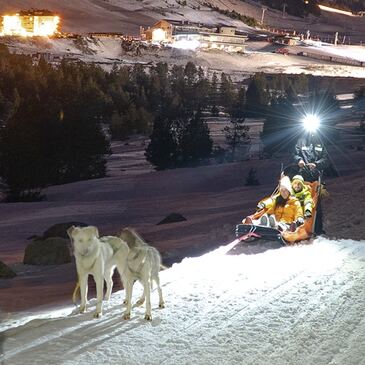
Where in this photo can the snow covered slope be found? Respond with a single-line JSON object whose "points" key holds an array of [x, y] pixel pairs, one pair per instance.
{"points": [[126, 16], [293, 305], [83, 16]]}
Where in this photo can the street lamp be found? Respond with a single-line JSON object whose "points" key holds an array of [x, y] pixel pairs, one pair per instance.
{"points": [[264, 8]]}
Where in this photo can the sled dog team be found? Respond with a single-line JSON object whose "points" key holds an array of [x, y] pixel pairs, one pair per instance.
{"points": [[129, 254]]}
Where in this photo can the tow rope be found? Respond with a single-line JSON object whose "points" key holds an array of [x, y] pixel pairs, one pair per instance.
{"points": [[248, 235]]}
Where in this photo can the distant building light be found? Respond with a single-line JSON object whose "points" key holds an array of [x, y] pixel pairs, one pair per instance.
{"points": [[30, 24], [186, 44], [158, 35]]}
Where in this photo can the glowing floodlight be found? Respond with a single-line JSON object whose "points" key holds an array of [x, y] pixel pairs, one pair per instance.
{"points": [[158, 35], [29, 25], [311, 123]]}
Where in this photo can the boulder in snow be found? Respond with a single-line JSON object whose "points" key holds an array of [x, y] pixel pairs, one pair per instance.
{"points": [[6, 272], [51, 251], [172, 218]]}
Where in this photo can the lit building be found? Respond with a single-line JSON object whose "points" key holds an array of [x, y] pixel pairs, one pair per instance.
{"points": [[286, 40], [30, 23], [223, 38], [192, 36], [159, 32]]}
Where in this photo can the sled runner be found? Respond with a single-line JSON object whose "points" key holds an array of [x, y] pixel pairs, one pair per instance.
{"points": [[248, 232]]}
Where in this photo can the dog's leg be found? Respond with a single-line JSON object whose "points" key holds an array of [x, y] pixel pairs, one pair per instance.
{"points": [[147, 290], [99, 295], [128, 289], [161, 303], [109, 282], [123, 279], [141, 300], [83, 289]]}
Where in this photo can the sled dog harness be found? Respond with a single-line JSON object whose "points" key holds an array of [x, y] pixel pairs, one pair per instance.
{"points": [[137, 272]]}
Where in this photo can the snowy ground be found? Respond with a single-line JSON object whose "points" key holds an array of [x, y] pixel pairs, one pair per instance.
{"points": [[84, 16], [292, 305], [126, 16], [259, 56]]}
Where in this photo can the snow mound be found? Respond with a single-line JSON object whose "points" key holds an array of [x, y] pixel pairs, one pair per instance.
{"points": [[292, 305]]}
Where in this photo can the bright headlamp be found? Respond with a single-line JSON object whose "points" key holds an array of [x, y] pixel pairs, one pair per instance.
{"points": [[311, 123]]}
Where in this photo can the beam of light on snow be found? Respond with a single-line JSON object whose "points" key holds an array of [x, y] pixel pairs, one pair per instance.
{"points": [[334, 10], [186, 44], [311, 122], [25, 317], [256, 270]]}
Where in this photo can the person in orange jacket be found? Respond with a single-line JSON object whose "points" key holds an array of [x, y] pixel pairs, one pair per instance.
{"points": [[283, 210]]}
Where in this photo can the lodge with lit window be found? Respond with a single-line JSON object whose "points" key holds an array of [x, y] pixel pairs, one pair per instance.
{"points": [[30, 23], [191, 35]]}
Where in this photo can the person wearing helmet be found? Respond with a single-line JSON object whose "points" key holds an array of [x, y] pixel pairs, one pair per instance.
{"points": [[303, 194]]}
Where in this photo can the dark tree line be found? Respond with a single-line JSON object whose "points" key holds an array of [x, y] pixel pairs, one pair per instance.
{"points": [[54, 121], [50, 124], [300, 8], [234, 15]]}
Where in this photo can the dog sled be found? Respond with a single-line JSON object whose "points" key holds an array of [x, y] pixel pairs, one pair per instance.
{"points": [[251, 233]]}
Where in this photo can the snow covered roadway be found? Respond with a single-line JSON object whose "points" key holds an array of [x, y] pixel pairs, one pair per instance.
{"points": [[292, 305]]}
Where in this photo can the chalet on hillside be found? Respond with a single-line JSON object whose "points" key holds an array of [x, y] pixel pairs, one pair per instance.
{"points": [[182, 33]]}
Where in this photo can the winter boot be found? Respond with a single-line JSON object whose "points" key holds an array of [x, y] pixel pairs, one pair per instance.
{"points": [[264, 221], [272, 221]]}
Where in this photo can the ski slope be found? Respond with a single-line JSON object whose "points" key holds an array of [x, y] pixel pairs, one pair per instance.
{"points": [[292, 305]]}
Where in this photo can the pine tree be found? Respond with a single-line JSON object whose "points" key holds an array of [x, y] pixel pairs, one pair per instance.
{"points": [[280, 130], [227, 93], [256, 97], [213, 95], [195, 142], [162, 150], [238, 107], [236, 134], [118, 126]]}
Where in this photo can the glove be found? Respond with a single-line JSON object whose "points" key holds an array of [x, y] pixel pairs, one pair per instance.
{"points": [[307, 214], [260, 206], [324, 192], [300, 221]]}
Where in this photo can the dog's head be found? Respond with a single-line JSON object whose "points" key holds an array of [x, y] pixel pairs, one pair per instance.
{"points": [[83, 238], [132, 238]]}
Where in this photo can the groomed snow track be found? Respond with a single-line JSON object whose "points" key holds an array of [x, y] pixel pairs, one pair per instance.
{"points": [[293, 305]]}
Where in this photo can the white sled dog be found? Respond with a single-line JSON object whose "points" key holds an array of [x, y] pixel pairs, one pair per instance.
{"points": [[97, 257], [143, 264]]}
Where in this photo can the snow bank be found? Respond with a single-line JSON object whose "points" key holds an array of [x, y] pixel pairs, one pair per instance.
{"points": [[349, 52], [293, 305]]}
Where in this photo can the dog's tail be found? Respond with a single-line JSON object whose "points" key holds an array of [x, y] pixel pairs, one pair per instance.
{"points": [[76, 293]]}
